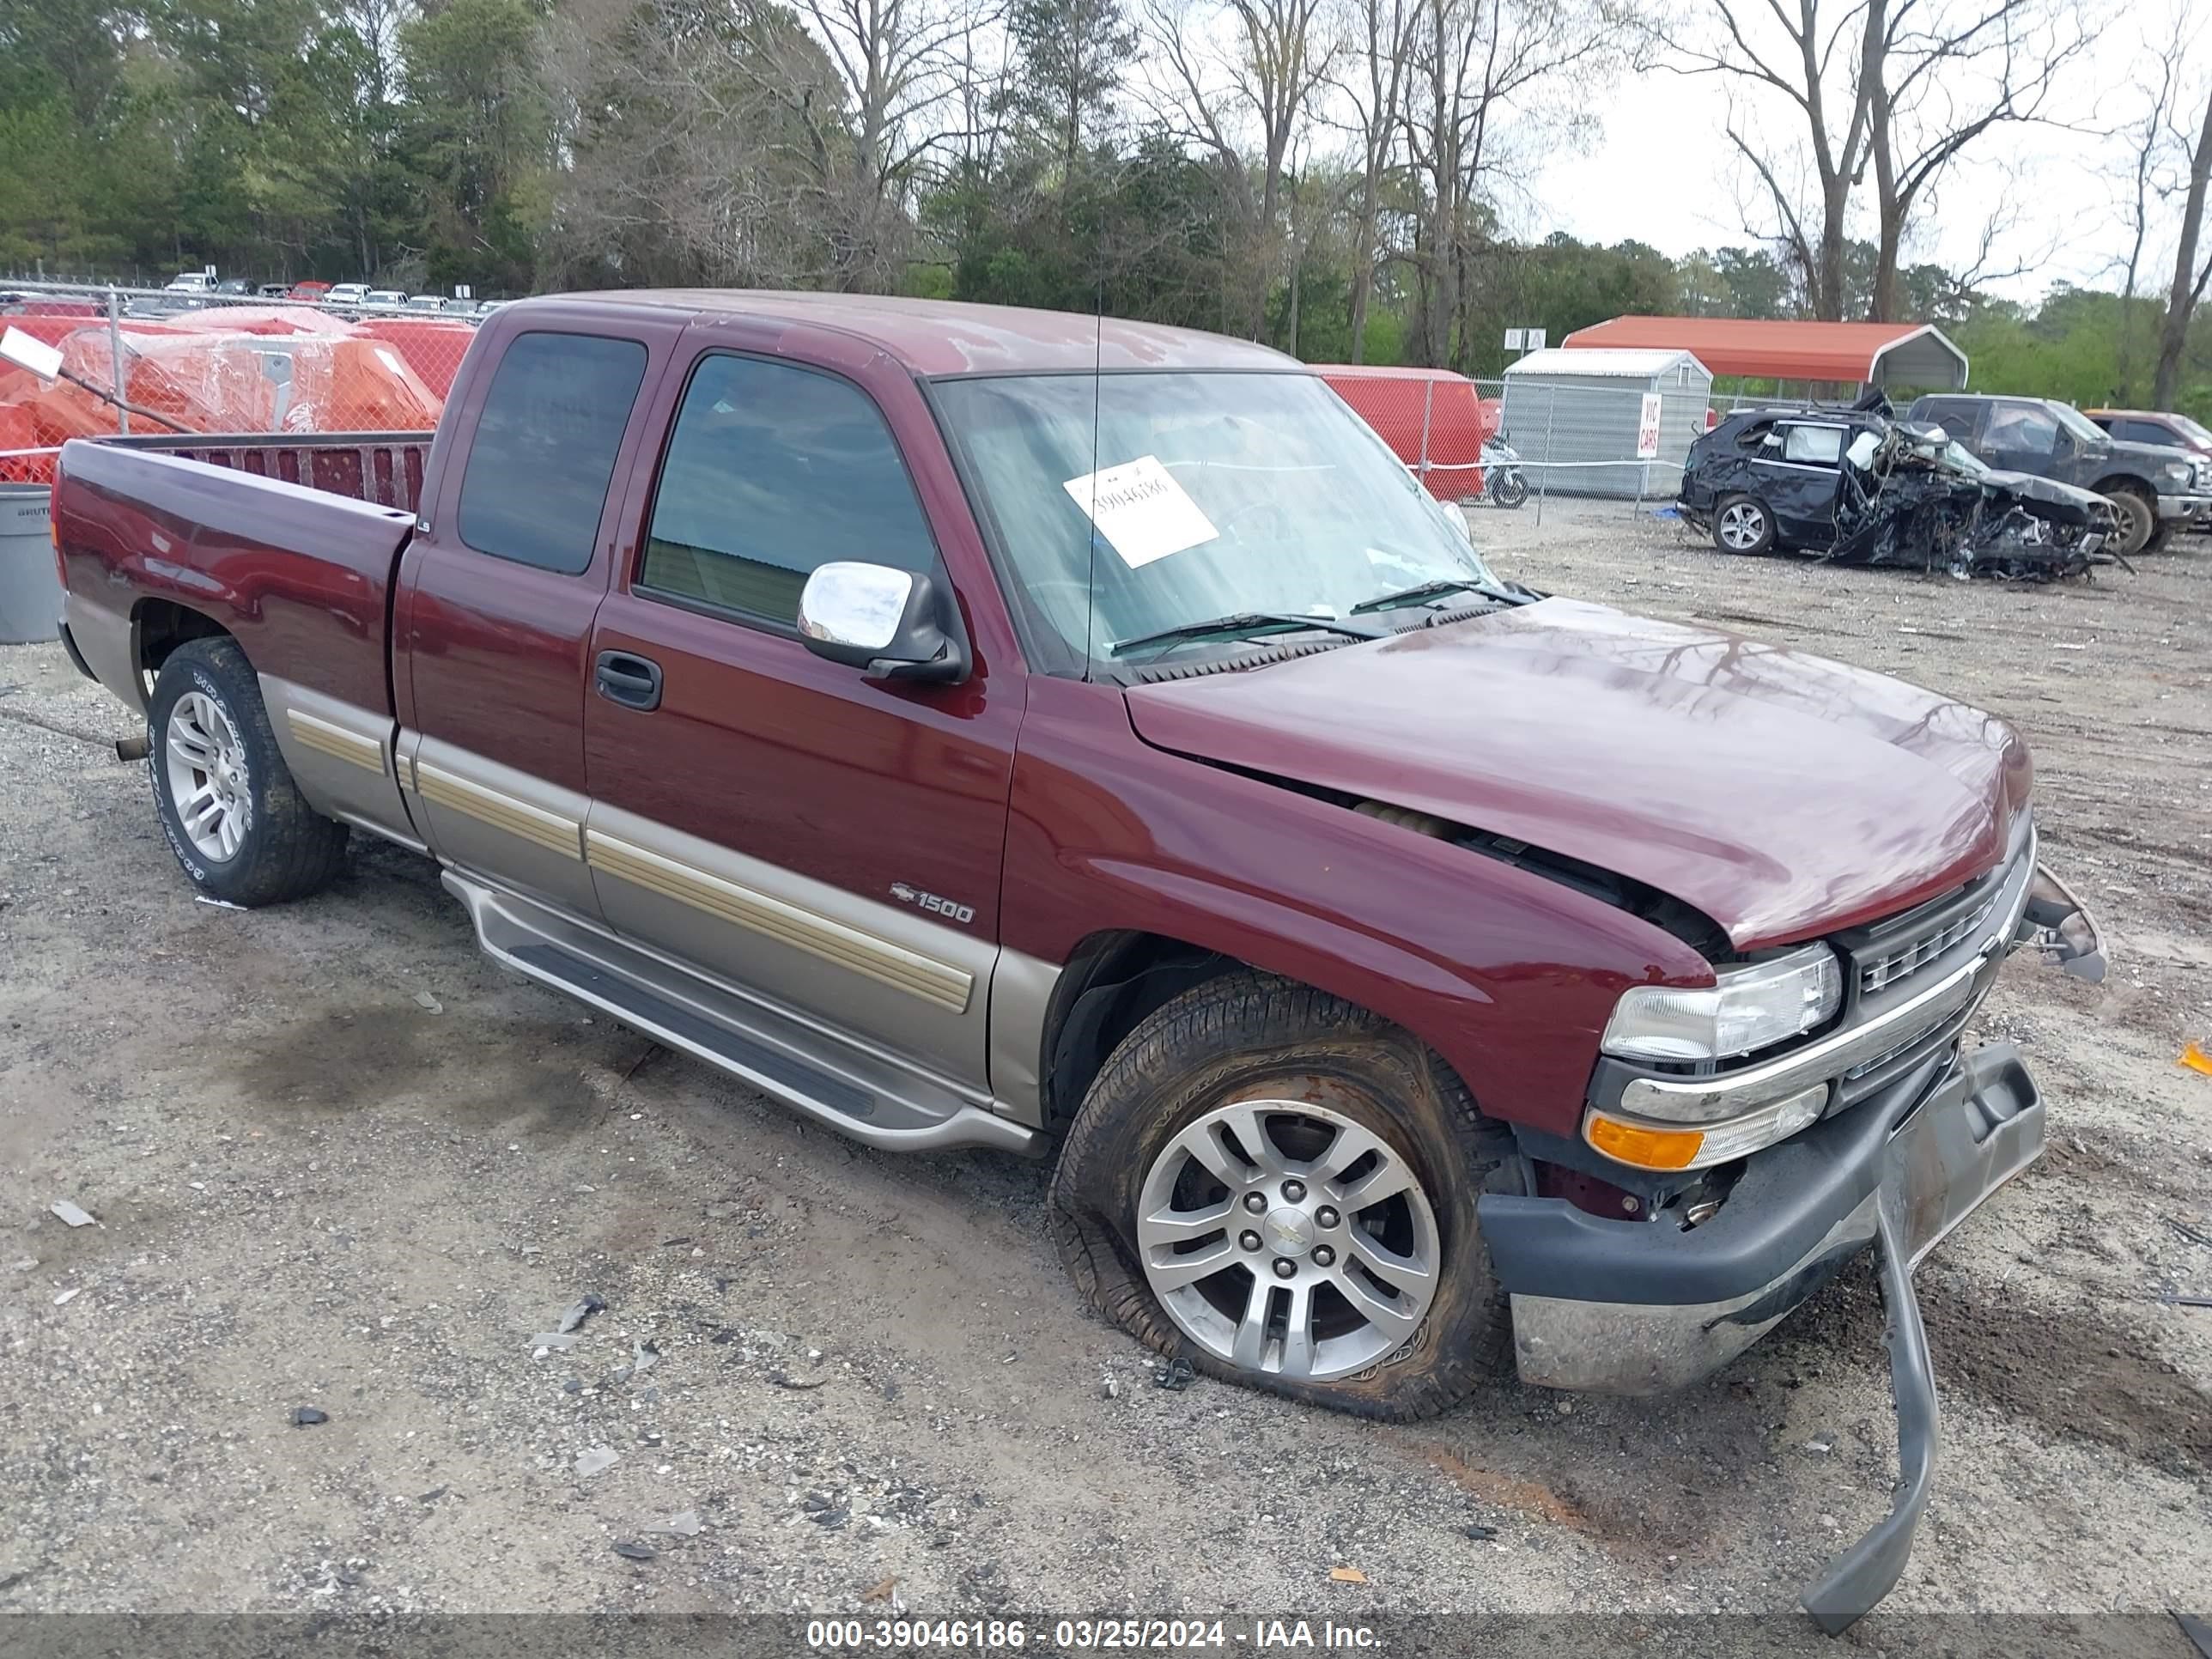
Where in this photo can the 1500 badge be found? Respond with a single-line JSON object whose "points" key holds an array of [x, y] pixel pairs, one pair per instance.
{"points": [[933, 903]]}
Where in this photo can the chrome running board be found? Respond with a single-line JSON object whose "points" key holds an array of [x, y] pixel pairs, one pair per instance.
{"points": [[864, 1094]]}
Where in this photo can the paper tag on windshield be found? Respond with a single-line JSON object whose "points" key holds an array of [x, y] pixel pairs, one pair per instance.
{"points": [[1141, 510]]}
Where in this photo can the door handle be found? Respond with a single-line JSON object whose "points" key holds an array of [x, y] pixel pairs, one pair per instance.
{"points": [[625, 677]]}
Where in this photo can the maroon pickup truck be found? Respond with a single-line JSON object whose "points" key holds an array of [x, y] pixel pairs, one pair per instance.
{"points": [[989, 728]]}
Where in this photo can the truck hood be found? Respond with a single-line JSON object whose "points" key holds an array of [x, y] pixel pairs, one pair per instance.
{"points": [[1782, 794], [2062, 502]]}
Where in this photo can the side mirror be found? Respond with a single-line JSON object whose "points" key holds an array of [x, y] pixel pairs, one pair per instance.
{"points": [[894, 624]]}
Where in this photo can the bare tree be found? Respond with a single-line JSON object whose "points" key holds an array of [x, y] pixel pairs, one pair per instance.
{"points": [[1371, 79], [1256, 87], [2190, 274], [2147, 137], [1941, 76], [1811, 55], [1475, 65]]}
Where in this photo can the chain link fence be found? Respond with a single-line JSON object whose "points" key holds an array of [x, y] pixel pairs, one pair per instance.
{"points": [[151, 361], [1565, 439]]}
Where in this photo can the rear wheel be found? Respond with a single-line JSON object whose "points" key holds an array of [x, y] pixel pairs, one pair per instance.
{"points": [[1281, 1187], [232, 815], [1743, 524], [2140, 528]]}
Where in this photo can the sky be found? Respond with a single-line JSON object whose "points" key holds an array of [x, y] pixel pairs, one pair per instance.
{"points": [[1662, 170]]}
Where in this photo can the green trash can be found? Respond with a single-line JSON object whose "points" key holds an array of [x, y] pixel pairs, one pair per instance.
{"points": [[30, 587]]}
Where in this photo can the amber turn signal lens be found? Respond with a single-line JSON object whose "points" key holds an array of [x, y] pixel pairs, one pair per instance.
{"points": [[1644, 1147]]}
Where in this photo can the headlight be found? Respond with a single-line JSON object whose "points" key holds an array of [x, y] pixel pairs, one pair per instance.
{"points": [[1750, 1008], [2180, 472]]}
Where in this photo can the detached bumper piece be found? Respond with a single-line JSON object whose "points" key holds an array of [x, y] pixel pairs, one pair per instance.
{"points": [[1637, 1308], [2060, 925]]}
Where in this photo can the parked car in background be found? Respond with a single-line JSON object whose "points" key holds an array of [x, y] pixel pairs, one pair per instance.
{"points": [[308, 291], [346, 294], [2154, 488], [384, 299], [237, 288], [274, 291], [1412, 972], [189, 282], [2159, 426]]}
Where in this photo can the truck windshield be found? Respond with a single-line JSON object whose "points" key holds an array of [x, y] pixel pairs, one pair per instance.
{"points": [[2083, 428], [1214, 496]]}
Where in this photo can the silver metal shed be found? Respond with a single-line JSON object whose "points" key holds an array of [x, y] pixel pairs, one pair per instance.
{"points": [[1574, 415]]}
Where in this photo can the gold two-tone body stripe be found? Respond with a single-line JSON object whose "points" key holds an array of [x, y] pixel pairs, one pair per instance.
{"points": [[833, 941], [325, 738], [550, 830]]}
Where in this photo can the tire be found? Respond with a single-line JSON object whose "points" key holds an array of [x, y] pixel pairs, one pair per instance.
{"points": [[1511, 492], [1743, 524], [209, 738], [2140, 527], [1338, 1073]]}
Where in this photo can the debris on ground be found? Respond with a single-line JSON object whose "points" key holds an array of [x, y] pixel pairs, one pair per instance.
{"points": [[1477, 1532], [595, 1462], [686, 1525], [547, 1342], [1110, 1389], [1175, 1375], [644, 1356], [630, 1550], [61, 1297], [1347, 1575], [785, 1380], [71, 1214], [306, 1417], [2190, 1233], [579, 1311], [2192, 1056], [220, 904], [424, 1000], [879, 1591]]}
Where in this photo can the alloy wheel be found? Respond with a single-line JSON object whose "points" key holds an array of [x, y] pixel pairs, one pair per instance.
{"points": [[1283, 1237], [206, 762]]}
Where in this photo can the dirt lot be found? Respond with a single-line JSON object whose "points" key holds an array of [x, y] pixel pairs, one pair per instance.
{"points": [[337, 1160]]}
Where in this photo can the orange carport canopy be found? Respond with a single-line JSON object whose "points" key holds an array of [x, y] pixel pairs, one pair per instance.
{"points": [[1857, 353]]}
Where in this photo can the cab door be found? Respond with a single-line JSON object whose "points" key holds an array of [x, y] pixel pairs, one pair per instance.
{"points": [[1796, 467], [509, 566], [824, 843]]}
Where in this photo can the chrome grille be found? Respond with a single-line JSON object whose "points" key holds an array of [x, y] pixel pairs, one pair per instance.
{"points": [[1878, 972]]}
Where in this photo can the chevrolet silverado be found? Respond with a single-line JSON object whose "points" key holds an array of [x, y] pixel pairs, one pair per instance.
{"points": [[987, 728]]}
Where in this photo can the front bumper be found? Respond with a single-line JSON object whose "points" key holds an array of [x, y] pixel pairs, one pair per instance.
{"points": [[1624, 1306], [2184, 507]]}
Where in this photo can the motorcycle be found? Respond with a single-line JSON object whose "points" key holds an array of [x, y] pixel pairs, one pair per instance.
{"points": [[1504, 483]]}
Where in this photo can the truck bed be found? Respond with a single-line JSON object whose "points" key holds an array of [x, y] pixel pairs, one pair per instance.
{"points": [[300, 572]]}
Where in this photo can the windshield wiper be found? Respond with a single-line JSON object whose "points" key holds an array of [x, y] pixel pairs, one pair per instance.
{"points": [[1239, 622], [1420, 591]]}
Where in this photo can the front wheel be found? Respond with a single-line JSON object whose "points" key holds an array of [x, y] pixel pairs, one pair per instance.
{"points": [[1281, 1187], [232, 815], [1512, 490], [2139, 522]]}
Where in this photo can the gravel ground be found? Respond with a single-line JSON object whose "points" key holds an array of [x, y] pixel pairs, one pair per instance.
{"points": [[338, 1161]]}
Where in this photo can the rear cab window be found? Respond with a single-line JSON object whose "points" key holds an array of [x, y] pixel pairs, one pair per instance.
{"points": [[543, 450], [771, 470]]}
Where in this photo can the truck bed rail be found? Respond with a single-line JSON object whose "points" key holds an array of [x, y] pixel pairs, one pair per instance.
{"points": [[385, 468]]}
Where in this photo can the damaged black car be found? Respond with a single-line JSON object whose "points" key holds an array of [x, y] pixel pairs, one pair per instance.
{"points": [[1856, 486]]}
